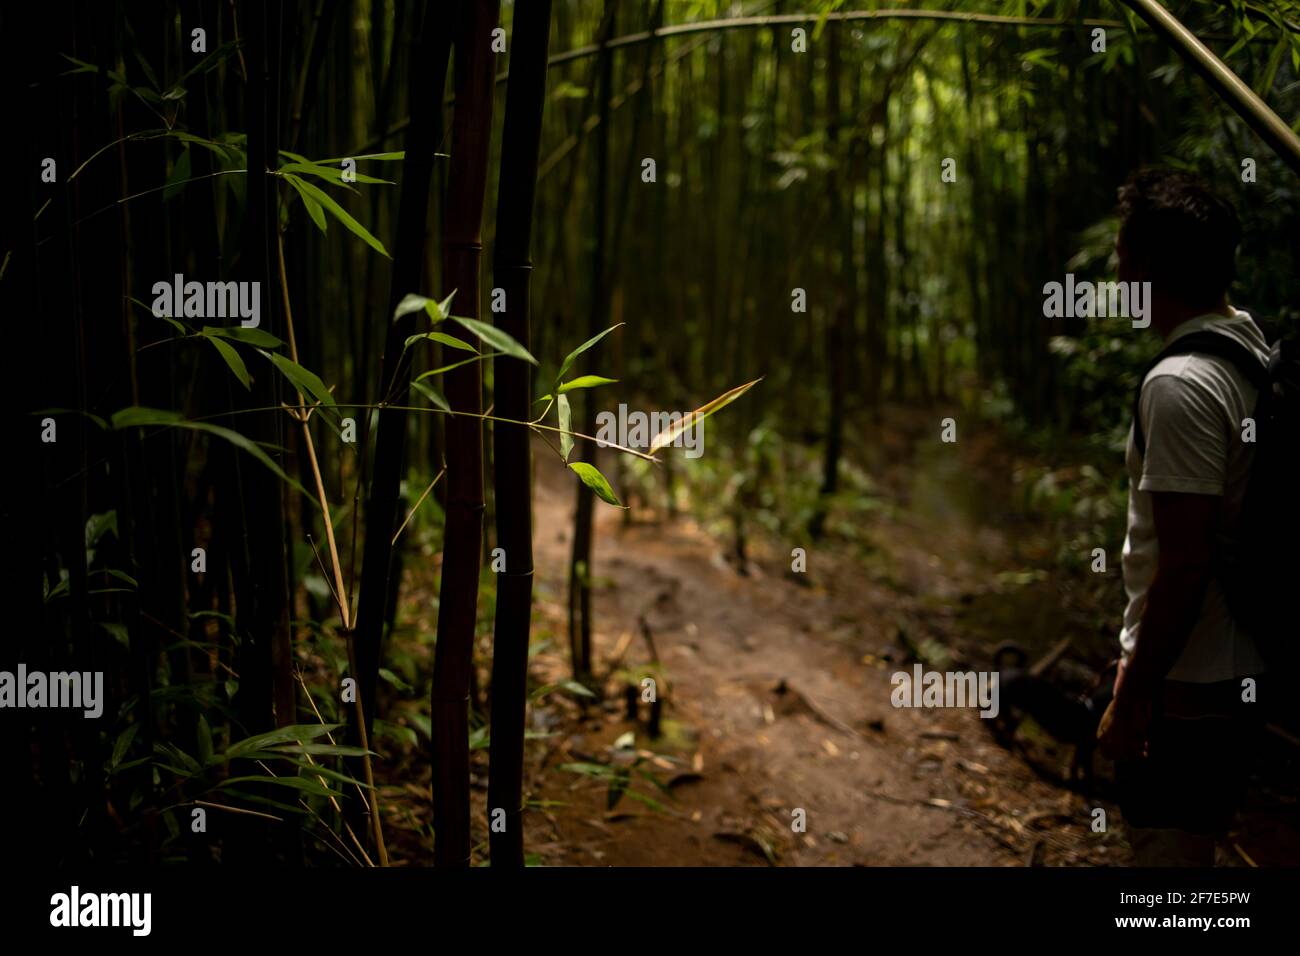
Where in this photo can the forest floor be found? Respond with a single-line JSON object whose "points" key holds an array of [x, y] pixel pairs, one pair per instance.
{"points": [[775, 689]]}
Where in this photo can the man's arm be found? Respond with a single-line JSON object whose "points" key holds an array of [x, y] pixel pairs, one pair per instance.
{"points": [[1185, 531]]}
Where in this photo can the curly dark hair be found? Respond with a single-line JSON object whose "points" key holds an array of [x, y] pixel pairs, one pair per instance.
{"points": [[1181, 234]]}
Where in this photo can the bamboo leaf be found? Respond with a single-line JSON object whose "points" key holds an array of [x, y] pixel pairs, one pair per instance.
{"points": [[669, 435], [432, 394], [328, 750], [378, 157], [447, 368], [305, 784], [566, 425], [123, 744], [180, 175], [240, 334], [303, 379], [442, 337], [499, 339], [330, 173], [339, 213], [569, 359], [586, 381], [313, 208], [593, 479], [411, 302], [138, 417], [293, 734], [232, 359], [204, 737]]}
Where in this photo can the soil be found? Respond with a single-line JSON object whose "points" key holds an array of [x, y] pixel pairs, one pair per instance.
{"points": [[778, 741]]}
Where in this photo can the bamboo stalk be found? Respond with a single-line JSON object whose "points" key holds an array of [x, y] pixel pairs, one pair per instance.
{"points": [[512, 266], [1257, 114]]}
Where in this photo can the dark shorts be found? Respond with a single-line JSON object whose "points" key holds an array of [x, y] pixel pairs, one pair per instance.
{"points": [[1198, 762]]}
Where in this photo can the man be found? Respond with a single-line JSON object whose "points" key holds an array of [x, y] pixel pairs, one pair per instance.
{"points": [[1178, 727]]}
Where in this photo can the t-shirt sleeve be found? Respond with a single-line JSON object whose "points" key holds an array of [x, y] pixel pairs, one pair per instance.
{"points": [[1186, 437]]}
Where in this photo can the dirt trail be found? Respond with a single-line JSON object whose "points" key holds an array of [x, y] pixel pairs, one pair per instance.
{"points": [[778, 696]]}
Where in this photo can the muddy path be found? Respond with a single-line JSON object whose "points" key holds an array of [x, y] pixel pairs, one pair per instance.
{"points": [[779, 742]]}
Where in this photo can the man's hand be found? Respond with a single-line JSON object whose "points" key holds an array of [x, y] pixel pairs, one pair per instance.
{"points": [[1124, 727]]}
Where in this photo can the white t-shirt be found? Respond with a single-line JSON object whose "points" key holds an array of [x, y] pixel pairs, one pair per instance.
{"points": [[1192, 408]]}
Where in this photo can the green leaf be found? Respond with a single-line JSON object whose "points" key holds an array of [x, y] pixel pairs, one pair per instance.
{"points": [[123, 744], [432, 394], [396, 681], [331, 173], [204, 737], [208, 62], [378, 157], [255, 337], [327, 750], [302, 379], [593, 479], [178, 326], [499, 339], [137, 416], [447, 368], [296, 733], [568, 360], [328, 774], [449, 340], [565, 414], [411, 302], [339, 213], [189, 766], [573, 687], [120, 575], [305, 784], [586, 381], [1264, 85], [227, 352], [265, 801], [97, 525], [650, 802], [669, 435], [598, 770], [179, 176], [118, 632], [311, 205]]}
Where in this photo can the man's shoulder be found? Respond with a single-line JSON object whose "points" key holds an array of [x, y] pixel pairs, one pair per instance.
{"points": [[1191, 373]]}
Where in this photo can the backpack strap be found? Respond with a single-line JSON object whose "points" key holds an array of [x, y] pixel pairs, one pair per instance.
{"points": [[1201, 343]]}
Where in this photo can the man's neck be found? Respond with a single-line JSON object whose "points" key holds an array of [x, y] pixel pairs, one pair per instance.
{"points": [[1168, 315]]}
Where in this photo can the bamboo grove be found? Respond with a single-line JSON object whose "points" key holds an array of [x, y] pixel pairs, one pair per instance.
{"points": [[474, 225]]}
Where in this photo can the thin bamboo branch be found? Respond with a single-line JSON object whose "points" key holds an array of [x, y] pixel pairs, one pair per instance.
{"points": [[340, 587]]}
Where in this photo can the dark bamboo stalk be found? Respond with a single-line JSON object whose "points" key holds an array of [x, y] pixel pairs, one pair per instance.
{"points": [[512, 472], [463, 540], [580, 557], [428, 74]]}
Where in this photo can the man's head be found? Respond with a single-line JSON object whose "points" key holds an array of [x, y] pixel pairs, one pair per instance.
{"points": [[1180, 237]]}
